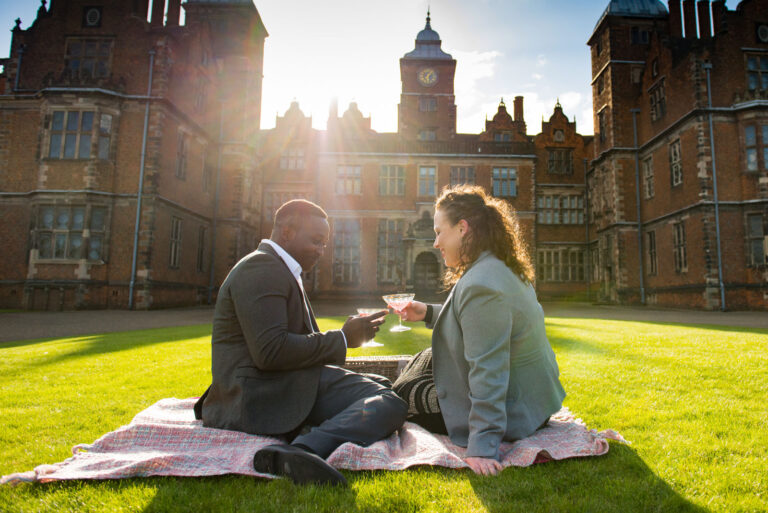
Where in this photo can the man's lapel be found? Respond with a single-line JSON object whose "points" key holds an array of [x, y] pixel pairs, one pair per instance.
{"points": [[308, 317]]}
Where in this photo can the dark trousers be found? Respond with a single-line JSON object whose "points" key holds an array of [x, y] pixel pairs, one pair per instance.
{"points": [[351, 407]]}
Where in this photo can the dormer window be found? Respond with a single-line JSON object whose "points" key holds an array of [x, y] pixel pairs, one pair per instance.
{"points": [[640, 36], [88, 58], [427, 135], [502, 137]]}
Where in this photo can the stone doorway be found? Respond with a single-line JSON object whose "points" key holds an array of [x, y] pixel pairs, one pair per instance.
{"points": [[426, 274]]}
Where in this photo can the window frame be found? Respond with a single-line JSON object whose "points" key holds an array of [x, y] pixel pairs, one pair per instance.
{"points": [[349, 180], [202, 241], [347, 238], [462, 175], [560, 161], [679, 251], [391, 180], [390, 256], [759, 73], [553, 209], [675, 163], [96, 138], [175, 240], [79, 72], [657, 96], [504, 179], [653, 268], [561, 264], [427, 184], [648, 178], [756, 240], [427, 104], [91, 235]]}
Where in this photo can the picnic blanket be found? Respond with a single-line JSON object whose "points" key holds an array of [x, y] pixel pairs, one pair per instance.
{"points": [[166, 440]]}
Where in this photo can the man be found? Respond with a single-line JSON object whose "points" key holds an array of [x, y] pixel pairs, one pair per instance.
{"points": [[274, 372]]}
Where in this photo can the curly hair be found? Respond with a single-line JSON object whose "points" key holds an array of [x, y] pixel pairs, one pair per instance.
{"points": [[493, 226]]}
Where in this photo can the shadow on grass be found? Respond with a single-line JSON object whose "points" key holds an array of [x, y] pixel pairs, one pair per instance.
{"points": [[92, 345], [619, 481], [569, 343]]}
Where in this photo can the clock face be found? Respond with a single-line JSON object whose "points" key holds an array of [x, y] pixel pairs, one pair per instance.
{"points": [[427, 77]]}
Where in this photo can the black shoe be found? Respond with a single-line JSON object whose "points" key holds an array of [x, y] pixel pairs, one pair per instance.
{"points": [[301, 466]]}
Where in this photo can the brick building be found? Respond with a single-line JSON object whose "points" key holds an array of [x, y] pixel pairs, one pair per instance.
{"points": [[678, 187], [379, 188], [105, 106]]}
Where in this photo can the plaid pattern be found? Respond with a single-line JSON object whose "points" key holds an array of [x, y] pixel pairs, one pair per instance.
{"points": [[166, 440]]}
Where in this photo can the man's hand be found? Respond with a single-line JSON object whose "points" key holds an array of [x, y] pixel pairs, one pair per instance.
{"points": [[415, 311], [362, 328], [484, 466]]}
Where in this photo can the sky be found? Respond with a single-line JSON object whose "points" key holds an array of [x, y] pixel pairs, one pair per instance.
{"points": [[350, 50]]}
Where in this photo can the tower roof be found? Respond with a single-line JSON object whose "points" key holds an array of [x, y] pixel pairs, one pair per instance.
{"points": [[427, 45], [634, 9]]}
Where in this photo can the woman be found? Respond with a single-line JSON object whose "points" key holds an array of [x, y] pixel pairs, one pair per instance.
{"points": [[495, 374]]}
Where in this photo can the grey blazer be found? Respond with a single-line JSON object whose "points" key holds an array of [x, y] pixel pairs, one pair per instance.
{"points": [[266, 360], [495, 373]]}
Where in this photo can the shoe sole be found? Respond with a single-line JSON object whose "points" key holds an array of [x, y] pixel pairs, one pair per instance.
{"points": [[300, 468]]}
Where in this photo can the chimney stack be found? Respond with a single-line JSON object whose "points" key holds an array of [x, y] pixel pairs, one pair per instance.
{"points": [[158, 11], [718, 11], [174, 11], [675, 19], [705, 32], [518, 108], [689, 18]]}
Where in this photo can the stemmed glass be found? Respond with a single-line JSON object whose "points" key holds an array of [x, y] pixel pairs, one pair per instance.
{"points": [[398, 302], [369, 311]]}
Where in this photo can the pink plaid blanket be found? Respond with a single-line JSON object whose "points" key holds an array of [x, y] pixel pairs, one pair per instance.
{"points": [[166, 440]]}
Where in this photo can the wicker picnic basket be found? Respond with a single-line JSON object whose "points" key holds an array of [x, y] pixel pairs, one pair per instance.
{"points": [[387, 366]]}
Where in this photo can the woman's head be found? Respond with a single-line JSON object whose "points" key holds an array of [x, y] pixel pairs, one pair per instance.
{"points": [[469, 221]]}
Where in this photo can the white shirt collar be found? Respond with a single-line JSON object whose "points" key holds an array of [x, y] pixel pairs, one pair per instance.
{"points": [[291, 262]]}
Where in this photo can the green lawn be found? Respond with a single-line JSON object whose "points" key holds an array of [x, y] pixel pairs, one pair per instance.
{"points": [[691, 399]]}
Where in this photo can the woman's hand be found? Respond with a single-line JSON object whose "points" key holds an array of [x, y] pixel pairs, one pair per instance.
{"points": [[415, 311], [484, 466]]}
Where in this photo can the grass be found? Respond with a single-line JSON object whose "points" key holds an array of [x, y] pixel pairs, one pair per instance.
{"points": [[690, 398]]}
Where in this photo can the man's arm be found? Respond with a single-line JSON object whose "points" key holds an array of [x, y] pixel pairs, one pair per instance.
{"points": [[260, 297]]}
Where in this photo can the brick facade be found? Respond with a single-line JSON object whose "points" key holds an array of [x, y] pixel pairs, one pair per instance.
{"points": [[649, 68], [72, 130]]}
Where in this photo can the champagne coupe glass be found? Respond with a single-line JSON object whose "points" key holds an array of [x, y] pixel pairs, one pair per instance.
{"points": [[398, 302], [369, 311]]}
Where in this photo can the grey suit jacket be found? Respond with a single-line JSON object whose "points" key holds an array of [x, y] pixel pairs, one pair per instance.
{"points": [[495, 373], [266, 360]]}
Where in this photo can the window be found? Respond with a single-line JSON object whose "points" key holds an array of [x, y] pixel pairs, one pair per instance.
{"points": [[561, 161], [346, 251], [70, 232], [462, 175], [756, 240], [292, 159], [348, 180], [599, 46], [600, 85], [675, 164], [175, 249], [601, 125], [201, 94], [652, 269], [757, 72], [637, 74], [504, 182], [427, 135], [561, 264], [274, 200], [502, 137], [658, 98], [427, 181], [392, 181], [205, 173], [86, 58], [639, 36], [750, 143], [182, 143], [654, 68], [202, 237], [678, 244], [427, 104], [72, 134], [648, 188], [561, 209], [391, 254]]}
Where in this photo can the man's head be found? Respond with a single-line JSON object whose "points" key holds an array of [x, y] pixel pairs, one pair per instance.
{"points": [[301, 228]]}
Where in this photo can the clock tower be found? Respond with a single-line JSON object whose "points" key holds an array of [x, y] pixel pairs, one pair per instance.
{"points": [[427, 109]]}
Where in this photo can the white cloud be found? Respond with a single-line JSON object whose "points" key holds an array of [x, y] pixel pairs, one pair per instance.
{"points": [[541, 61], [537, 76]]}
